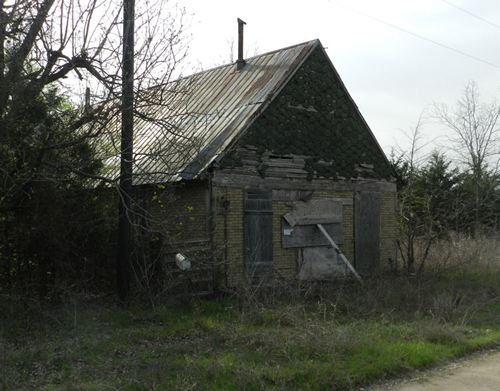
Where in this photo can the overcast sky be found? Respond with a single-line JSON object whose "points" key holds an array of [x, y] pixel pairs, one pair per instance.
{"points": [[392, 75]]}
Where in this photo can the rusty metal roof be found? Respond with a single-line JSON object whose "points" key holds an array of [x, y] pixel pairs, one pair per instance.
{"points": [[200, 116]]}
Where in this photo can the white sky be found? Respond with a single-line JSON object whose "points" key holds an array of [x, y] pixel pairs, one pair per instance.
{"points": [[391, 75]]}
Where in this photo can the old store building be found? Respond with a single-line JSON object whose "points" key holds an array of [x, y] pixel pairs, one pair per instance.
{"points": [[261, 151]]}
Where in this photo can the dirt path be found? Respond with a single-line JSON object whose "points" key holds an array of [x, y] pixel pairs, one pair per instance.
{"points": [[479, 373]]}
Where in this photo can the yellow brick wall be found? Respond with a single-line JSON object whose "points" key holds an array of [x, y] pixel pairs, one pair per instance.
{"points": [[181, 212], [184, 216], [285, 259], [388, 228], [233, 267]]}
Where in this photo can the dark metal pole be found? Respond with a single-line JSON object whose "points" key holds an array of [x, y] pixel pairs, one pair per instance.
{"points": [[125, 187]]}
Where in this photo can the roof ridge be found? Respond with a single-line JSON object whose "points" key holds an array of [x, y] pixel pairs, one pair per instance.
{"points": [[306, 43]]}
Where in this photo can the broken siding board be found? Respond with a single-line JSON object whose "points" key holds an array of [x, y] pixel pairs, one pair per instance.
{"points": [[310, 235], [284, 164], [285, 170], [278, 164], [290, 176], [228, 178]]}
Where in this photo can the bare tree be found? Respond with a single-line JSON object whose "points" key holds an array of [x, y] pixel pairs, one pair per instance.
{"points": [[43, 42], [476, 136], [74, 45], [407, 162]]}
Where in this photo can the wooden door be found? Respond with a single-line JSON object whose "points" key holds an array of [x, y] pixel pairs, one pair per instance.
{"points": [[258, 235], [367, 231]]}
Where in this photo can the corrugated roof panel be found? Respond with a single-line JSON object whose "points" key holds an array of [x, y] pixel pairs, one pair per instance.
{"points": [[200, 116]]}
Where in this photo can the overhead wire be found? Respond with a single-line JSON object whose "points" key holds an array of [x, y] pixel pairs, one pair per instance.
{"points": [[416, 35], [478, 17]]}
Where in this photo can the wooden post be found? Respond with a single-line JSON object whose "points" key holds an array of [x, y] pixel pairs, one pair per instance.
{"points": [[125, 186]]}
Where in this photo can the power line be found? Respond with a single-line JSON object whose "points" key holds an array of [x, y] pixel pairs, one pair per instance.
{"points": [[471, 14], [416, 35]]}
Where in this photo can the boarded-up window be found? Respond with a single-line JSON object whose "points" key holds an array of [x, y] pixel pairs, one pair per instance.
{"points": [[310, 235], [317, 260], [258, 235], [320, 264]]}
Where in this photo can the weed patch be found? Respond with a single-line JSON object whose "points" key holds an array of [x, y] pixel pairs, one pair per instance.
{"points": [[346, 337]]}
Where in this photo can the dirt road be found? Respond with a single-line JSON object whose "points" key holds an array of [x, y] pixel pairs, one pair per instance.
{"points": [[479, 373]]}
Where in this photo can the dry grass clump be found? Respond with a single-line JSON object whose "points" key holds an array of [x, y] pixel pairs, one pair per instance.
{"points": [[460, 251]]}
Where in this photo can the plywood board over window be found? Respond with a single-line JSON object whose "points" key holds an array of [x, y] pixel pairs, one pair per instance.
{"points": [[322, 211], [320, 264], [310, 236], [316, 260]]}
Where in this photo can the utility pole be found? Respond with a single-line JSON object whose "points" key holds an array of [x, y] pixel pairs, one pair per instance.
{"points": [[123, 264]]}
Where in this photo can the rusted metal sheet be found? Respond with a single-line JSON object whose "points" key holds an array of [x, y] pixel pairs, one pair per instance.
{"points": [[200, 116]]}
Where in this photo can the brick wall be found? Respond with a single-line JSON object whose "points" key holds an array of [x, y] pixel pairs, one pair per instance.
{"points": [[388, 228], [228, 205], [183, 216], [181, 211], [285, 259]]}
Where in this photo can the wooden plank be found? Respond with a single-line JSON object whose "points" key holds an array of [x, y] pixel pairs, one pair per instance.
{"points": [[284, 163], [320, 264], [283, 175], [324, 210], [228, 178], [291, 195], [367, 231], [285, 170], [250, 162], [310, 236], [341, 256]]}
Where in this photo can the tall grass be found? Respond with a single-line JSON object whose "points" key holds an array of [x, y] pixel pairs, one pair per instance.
{"points": [[336, 335]]}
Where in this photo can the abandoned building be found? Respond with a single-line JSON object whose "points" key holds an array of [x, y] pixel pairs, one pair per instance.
{"points": [[271, 161]]}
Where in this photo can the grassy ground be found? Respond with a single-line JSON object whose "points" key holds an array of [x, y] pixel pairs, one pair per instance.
{"points": [[333, 337]]}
